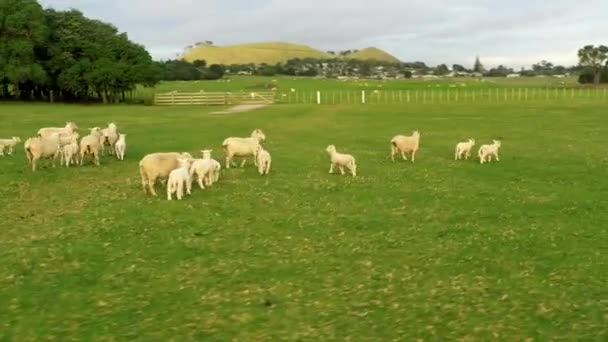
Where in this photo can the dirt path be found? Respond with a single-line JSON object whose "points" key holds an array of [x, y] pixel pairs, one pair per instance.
{"points": [[241, 108]]}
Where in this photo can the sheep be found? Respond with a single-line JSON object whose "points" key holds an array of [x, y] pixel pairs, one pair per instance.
{"points": [[464, 149], [243, 147], [120, 146], [341, 160], [158, 165], [207, 170], [69, 152], [39, 147], [405, 144], [109, 138], [10, 143], [264, 160], [69, 128], [486, 152], [178, 177], [66, 138], [91, 144]]}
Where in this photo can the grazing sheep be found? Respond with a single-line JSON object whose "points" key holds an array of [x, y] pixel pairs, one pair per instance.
{"points": [[109, 138], [69, 152], [120, 146], [42, 148], [91, 144], [486, 152], [341, 160], [405, 144], [158, 165], [463, 149], [69, 128], [10, 143], [243, 147], [179, 177], [207, 170], [264, 160]]}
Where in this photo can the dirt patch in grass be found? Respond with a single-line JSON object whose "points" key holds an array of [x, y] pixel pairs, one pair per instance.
{"points": [[241, 108]]}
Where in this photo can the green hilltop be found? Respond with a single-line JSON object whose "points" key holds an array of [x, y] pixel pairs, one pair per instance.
{"points": [[272, 53]]}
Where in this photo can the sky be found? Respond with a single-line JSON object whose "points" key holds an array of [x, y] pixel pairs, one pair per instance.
{"points": [[514, 33]]}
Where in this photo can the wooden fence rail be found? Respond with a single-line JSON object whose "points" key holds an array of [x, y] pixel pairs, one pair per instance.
{"points": [[214, 98]]}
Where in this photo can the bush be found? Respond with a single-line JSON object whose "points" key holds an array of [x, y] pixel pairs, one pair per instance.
{"points": [[587, 77]]}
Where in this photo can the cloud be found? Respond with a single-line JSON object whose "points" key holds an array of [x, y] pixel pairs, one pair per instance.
{"points": [[516, 33]]}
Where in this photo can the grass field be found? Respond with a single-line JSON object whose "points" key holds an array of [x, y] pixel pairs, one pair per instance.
{"points": [[435, 251]]}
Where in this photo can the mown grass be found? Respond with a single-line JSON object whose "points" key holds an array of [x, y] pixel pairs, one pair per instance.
{"points": [[440, 250]]}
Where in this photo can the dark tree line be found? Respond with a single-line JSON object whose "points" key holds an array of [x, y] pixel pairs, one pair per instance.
{"points": [[62, 55], [180, 70]]}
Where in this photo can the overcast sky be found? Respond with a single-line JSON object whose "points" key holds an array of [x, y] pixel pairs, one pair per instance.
{"points": [[514, 33]]}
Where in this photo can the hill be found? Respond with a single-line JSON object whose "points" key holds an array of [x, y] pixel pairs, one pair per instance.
{"points": [[272, 53], [374, 53]]}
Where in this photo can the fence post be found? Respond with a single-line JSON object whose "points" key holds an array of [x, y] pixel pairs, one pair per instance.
{"points": [[408, 96], [363, 96], [318, 97]]}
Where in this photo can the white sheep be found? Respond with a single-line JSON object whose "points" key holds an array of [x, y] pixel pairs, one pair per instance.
{"points": [[39, 147], [109, 138], [403, 144], [120, 146], [91, 144], [341, 160], [486, 152], [69, 128], [69, 152], [178, 177], [264, 160], [66, 138], [243, 147], [158, 165], [463, 149], [8, 143], [207, 170]]}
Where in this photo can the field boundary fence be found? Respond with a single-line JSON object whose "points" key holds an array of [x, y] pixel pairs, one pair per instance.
{"points": [[414, 96]]}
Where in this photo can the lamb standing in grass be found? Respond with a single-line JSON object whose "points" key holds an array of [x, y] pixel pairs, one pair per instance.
{"points": [[120, 146], [177, 179], [243, 147], [403, 144], [91, 144], [69, 152], [463, 149], [158, 165], [341, 161], [487, 151], [109, 138], [264, 160], [207, 170], [8, 143], [69, 128], [42, 148]]}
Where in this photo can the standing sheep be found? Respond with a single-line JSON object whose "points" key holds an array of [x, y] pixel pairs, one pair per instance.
{"points": [[69, 152], [486, 152], [405, 144], [69, 128], [243, 147], [207, 170], [91, 144], [463, 149], [179, 177], [341, 160], [158, 165], [264, 160], [120, 146], [10, 143], [109, 138], [42, 148]]}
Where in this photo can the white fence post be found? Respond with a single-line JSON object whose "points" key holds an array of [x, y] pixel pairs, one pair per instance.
{"points": [[363, 96], [318, 97]]}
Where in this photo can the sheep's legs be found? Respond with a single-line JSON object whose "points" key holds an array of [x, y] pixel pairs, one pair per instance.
{"points": [[228, 162], [200, 182], [496, 156], [403, 155], [188, 187], [10, 150], [353, 170], [331, 168], [169, 191], [413, 156], [268, 167], [341, 170], [243, 163], [151, 187]]}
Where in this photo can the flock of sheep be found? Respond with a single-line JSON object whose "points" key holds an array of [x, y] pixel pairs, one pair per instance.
{"points": [[181, 169]]}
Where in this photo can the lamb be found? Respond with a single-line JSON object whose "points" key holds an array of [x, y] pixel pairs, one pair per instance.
{"points": [[69, 128], [463, 149], [42, 148], [109, 137], [178, 177], [91, 144], [10, 143], [120, 146], [264, 160], [158, 165], [243, 147], [66, 138], [341, 160], [405, 144], [207, 170], [69, 152], [486, 152]]}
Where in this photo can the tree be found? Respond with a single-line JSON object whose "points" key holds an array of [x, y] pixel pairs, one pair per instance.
{"points": [[215, 72], [458, 68], [441, 70], [478, 67], [200, 63], [593, 58]]}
